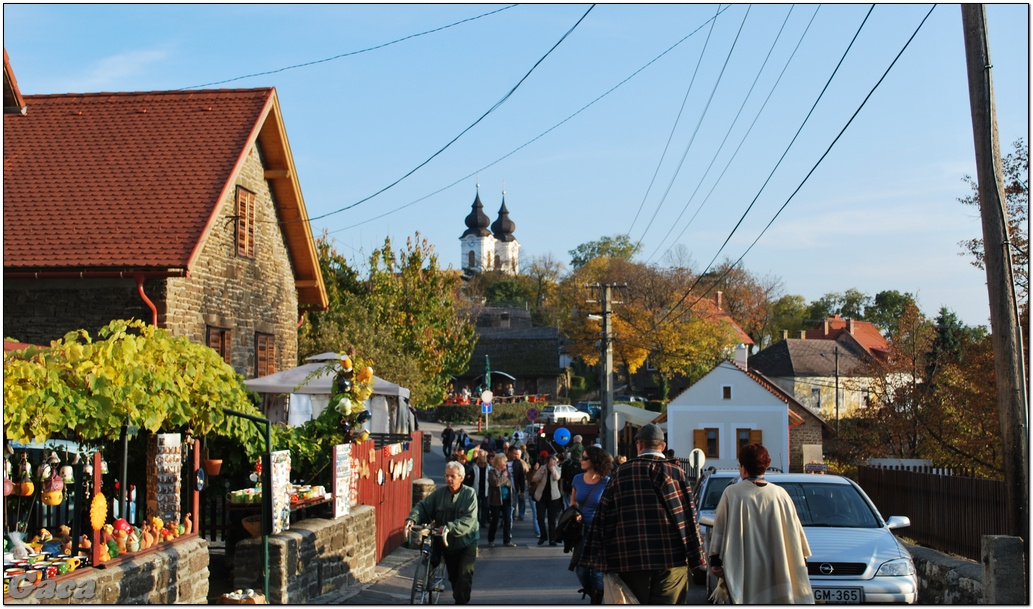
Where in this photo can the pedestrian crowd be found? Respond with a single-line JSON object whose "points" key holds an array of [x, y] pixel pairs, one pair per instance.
{"points": [[629, 523]]}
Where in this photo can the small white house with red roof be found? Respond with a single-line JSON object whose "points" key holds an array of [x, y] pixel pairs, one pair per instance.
{"points": [[732, 406]]}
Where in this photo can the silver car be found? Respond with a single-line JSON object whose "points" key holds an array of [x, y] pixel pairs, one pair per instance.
{"points": [[855, 556]]}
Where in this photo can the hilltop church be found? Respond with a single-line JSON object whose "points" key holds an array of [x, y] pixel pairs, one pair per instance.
{"points": [[489, 250]]}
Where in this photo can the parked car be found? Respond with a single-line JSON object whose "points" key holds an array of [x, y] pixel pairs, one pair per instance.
{"points": [[629, 399], [856, 558], [562, 413], [592, 408], [708, 493]]}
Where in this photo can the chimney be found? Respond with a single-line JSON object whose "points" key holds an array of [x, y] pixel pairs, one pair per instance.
{"points": [[803, 334], [850, 326], [741, 353], [826, 328], [785, 334], [719, 300]]}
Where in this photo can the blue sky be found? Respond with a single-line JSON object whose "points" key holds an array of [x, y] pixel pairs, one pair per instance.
{"points": [[643, 118]]}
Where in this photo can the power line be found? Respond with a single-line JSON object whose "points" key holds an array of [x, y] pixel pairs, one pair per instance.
{"points": [[463, 132], [729, 131], [540, 135], [813, 169], [674, 128], [738, 224], [350, 53]]}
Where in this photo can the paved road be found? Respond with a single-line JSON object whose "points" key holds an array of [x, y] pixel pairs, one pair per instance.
{"points": [[526, 574]]}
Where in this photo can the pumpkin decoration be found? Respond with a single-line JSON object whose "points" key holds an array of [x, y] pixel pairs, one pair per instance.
{"points": [[24, 489], [53, 489], [98, 511]]}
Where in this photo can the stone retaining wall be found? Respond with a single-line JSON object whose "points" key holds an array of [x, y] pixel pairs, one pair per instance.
{"points": [[177, 574], [314, 558]]}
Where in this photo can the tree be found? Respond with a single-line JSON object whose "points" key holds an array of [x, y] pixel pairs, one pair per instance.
{"points": [[618, 246], [655, 319], [84, 390], [403, 317], [789, 313], [850, 304], [745, 297], [887, 309], [1016, 192]]}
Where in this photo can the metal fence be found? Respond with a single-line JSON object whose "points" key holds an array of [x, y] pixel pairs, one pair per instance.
{"points": [[949, 512]]}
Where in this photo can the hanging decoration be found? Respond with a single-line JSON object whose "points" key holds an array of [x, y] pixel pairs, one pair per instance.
{"points": [[353, 385]]}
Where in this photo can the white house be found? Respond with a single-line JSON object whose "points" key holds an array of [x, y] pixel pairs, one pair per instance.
{"points": [[732, 406]]}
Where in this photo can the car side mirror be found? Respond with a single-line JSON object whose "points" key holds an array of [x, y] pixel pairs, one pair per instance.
{"points": [[898, 522]]}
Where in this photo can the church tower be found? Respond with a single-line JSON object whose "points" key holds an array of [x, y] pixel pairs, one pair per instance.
{"points": [[507, 248], [478, 245], [489, 250]]}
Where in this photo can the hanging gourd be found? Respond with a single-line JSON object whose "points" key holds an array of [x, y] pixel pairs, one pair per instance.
{"points": [[352, 386]]}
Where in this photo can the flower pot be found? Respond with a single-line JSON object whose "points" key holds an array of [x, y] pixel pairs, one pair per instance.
{"points": [[212, 467], [253, 525]]}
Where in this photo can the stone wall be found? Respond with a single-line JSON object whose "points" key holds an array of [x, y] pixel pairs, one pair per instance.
{"points": [[240, 294], [314, 558], [177, 574]]}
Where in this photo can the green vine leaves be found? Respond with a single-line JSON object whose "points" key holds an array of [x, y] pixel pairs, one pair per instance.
{"points": [[85, 389]]}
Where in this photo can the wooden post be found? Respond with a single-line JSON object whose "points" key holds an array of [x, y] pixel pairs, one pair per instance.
{"points": [[1007, 340]]}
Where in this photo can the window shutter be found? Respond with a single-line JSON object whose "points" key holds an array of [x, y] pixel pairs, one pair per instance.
{"points": [[756, 435], [245, 223], [699, 439]]}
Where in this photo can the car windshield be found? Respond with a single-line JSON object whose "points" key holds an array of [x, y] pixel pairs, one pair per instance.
{"points": [[830, 505], [715, 487]]}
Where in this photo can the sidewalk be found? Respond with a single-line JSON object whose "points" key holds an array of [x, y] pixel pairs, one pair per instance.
{"points": [[387, 567]]}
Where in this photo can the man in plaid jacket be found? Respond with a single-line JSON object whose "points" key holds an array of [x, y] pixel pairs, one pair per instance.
{"points": [[645, 528]]}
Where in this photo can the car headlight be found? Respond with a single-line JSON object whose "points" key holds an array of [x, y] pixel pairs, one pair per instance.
{"points": [[901, 566]]}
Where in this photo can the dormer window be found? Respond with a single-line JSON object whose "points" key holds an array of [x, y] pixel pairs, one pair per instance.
{"points": [[726, 392]]}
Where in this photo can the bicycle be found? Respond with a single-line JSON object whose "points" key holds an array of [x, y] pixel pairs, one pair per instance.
{"points": [[428, 581]]}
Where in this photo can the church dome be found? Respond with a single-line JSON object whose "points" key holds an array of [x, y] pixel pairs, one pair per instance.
{"points": [[477, 222], [503, 227]]}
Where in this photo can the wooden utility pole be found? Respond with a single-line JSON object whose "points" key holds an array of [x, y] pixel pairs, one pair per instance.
{"points": [[608, 430], [1009, 367]]}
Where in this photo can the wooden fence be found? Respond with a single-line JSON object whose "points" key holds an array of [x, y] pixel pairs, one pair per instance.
{"points": [[948, 512]]}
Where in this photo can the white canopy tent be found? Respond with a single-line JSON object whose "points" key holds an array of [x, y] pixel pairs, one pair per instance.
{"points": [[389, 405]]}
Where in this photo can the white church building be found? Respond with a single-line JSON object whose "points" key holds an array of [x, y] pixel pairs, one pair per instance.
{"points": [[489, 250]]}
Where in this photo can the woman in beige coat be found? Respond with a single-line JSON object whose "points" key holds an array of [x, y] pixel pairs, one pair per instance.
{"points": [[546, 478]]}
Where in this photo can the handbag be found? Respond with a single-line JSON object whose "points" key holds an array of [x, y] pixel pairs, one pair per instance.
{"points": [[616, 592], [569, 528]]}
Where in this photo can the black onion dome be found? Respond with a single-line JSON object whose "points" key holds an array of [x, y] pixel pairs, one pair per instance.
{"points": [[477, 222], [504, 227]]}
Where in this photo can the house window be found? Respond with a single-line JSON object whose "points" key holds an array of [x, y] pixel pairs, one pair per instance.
{"points": [[746, 436], [221, 339], [816, 397], [707, 441], [470, 261], [265, 354], [726, 392], [245, 223]]}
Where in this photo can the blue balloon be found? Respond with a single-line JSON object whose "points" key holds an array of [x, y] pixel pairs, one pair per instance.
{"points": [[562, 436]]}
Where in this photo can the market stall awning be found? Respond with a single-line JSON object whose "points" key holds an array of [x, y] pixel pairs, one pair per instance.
{"points": [[293, 380]]}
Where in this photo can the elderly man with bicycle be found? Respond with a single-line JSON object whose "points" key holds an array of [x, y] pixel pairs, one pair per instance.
{"points": [[453, 512]]}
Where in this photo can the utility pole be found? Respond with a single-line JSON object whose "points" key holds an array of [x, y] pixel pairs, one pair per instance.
{"points": [[607, 416], [1009, 368]]}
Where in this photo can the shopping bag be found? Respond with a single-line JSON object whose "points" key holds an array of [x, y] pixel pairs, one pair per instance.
{"points": [[616, 592], [720, 594]]}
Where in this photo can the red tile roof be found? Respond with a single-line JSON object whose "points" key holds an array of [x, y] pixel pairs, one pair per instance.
{"points": [[120, 179], [133, 181], [864, 332]]}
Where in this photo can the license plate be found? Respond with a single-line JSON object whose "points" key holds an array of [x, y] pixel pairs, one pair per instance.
{"points": [[841, 596]]}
